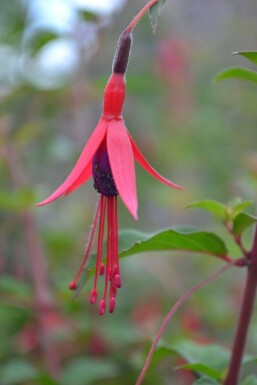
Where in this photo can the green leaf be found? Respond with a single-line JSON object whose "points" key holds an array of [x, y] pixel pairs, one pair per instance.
{"points": [[127, 238], [179, 239], [16, 200], [44, 379], [206, 381], [237, 73], [214, 207], [242, 221], [175, 239], [83, 371], [11, 285], [251, 380], [214, 357], [17, 371], [155, 13], [88, 15], [202, 369], [40, 39], [239, 207], [250, 55]]}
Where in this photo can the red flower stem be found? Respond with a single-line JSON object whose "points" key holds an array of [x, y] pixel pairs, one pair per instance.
{"points": [[122, 53], [171, 313], [244, 317], [140, 14], [238, 240], [43, 298]]}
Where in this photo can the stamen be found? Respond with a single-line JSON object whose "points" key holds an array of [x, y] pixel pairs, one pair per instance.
{"points": [[116, 269], [74, 284], [102, 269], [112, 305], [102, 307], [93, 296], [108, 273], [100, 238], [117, 281]]}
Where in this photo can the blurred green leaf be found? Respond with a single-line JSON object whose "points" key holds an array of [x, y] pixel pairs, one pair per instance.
{"points": [[214, 207], [238, 208], [26, 133], [179, 239], [201, 369], [17, 371], [44, 379], [250, 55], [237, 73], [16, 200], [251, 380], [206, 381], [212, 357], [155, 13], [40, 39], [83, 371], [211, 360], [242, 221], [88, 15], [11, 285], [127, 238], [12, 318]]}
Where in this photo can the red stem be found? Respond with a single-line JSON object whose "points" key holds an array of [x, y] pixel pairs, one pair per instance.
{"points": [[171, 313], [244, 317], [140, 14], [43, 298]]}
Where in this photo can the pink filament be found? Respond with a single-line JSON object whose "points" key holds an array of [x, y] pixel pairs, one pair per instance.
{"points": [[112, 275], [100, 239], [73, 284]]}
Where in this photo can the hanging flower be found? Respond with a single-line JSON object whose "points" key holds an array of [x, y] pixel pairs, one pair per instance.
{"points": [[109, 158]]}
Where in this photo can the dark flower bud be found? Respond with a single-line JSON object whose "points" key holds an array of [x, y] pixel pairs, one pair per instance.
{"points": [[121, 57]]}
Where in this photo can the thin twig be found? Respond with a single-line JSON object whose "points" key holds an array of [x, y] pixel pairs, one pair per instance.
{"points": [[140, 14], [171, 313]]}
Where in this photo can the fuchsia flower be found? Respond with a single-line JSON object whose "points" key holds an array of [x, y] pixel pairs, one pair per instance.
{"points": [[109, 158]]}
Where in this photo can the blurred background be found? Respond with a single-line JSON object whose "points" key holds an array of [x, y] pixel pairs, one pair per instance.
{"points": [[55, 59]]}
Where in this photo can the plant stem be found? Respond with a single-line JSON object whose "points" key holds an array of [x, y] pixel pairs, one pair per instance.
{"points": [[244, 318], [141, 14], [171, 313]]}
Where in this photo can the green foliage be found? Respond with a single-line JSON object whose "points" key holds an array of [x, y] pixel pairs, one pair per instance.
{"points": [[10, 285], [237, 73], [210, 360], [214, 207], [251, 380], [83, 371], [206, 381], [180, 238], [40, 39], [250, 55], [210, 134], [242, 221], [237, 206], [231, 214], [155, 13], [17, 371], [240, 72], [17, 200]]}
